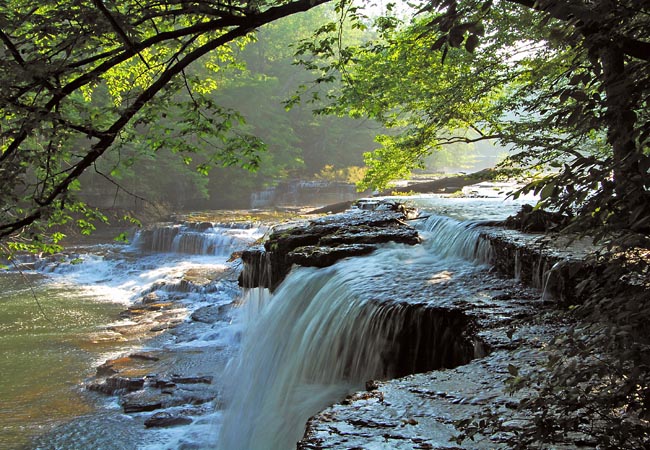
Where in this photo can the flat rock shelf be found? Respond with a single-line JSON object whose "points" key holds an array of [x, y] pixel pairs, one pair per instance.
{"points": [[489, 325]]}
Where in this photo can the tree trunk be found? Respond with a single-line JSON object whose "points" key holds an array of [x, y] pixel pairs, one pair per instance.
{"points": [[620, 118]]}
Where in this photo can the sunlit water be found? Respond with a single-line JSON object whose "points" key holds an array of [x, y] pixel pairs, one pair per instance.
{"points": [[53, 319], [325, 332], [271, 387], [45, 353]]}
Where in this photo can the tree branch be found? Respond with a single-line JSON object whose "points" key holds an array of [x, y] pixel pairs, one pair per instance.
{"points": [[464, 140], [119, 186], [635, 48], [118, 28], [249, 23], [12, 48]]}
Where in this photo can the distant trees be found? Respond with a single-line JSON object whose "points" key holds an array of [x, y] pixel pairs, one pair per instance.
{"points": [[567, 84], [298, 143], [565, 81], [141, 97]]}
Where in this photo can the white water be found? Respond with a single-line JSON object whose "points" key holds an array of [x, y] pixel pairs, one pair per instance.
{"points": [[318, 338], [116, 274], [197, 239], [325, 332]]}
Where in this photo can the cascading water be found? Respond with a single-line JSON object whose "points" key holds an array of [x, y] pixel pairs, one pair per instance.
{"points": [[451, 238], [321, 335], [204, 238], [325, 332], [81, 296]]}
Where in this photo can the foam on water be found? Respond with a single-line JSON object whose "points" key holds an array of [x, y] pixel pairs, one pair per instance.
{"points": [[317, 338], [197, 238]]}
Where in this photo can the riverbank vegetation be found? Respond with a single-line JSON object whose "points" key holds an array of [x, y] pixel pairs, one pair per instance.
{"points": [[97, 94], [562, 83]]}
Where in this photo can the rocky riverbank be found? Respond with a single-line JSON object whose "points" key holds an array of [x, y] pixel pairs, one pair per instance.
{"points": [[491, 339], [463, 335], [171, 384], [323, 241]]}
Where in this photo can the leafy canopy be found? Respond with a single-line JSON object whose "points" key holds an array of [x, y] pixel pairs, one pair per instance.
{"points": [[564, 82], [83, 77]]}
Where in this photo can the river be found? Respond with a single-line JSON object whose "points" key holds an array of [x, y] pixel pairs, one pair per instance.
{"points": [[59, 314]]}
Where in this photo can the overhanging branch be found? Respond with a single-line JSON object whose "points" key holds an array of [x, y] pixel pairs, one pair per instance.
{"points": [[248, 24]]}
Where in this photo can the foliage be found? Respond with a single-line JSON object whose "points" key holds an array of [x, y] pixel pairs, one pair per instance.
{"points": [[81, 78], [352, 174], [564, 82]]}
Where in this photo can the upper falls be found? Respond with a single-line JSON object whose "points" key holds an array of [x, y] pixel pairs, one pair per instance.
{"points": [[197, 238]]}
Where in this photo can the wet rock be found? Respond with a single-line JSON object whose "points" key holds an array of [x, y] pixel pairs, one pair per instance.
{"points": [[106, 369], [164, 384], [202, 276], [146, 356], [166, 419], [192, 380], [133, 311], [543, 262], [133, 366], [141, 401], [317, 256], [115, 384], [151, 297], [210, 314], [158, 306], [191, 397], [371, 385], [417, 411], [164, 326], [113, 366], [324, 241], [372, 235]]}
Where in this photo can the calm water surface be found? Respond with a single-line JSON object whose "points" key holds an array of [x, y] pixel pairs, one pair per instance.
{"points": [[45, 354]]}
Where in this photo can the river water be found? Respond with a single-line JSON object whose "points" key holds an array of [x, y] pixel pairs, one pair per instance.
{"points": [[55, 316]]}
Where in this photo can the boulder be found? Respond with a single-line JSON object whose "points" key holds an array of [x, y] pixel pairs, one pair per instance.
{"points": [[116, 384], [191, 380], [140, 401], [151, 297], [166, 419], [209, 314], [315, 256]]}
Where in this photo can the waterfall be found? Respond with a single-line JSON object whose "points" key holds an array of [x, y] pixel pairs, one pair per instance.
{"points": [[325, 332], [203, 238], [451, 238]]}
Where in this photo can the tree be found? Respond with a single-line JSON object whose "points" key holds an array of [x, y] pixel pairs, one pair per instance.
{"points": [[576, 100], [587, 83], [56, 54], [563, 81], [600, 86]]}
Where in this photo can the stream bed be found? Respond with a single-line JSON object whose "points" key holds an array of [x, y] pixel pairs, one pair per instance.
{"points": [[50, 352]]}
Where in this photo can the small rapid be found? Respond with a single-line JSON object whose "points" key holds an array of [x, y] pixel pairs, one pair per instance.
{"points": [[64, 315], [202, 238]]}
